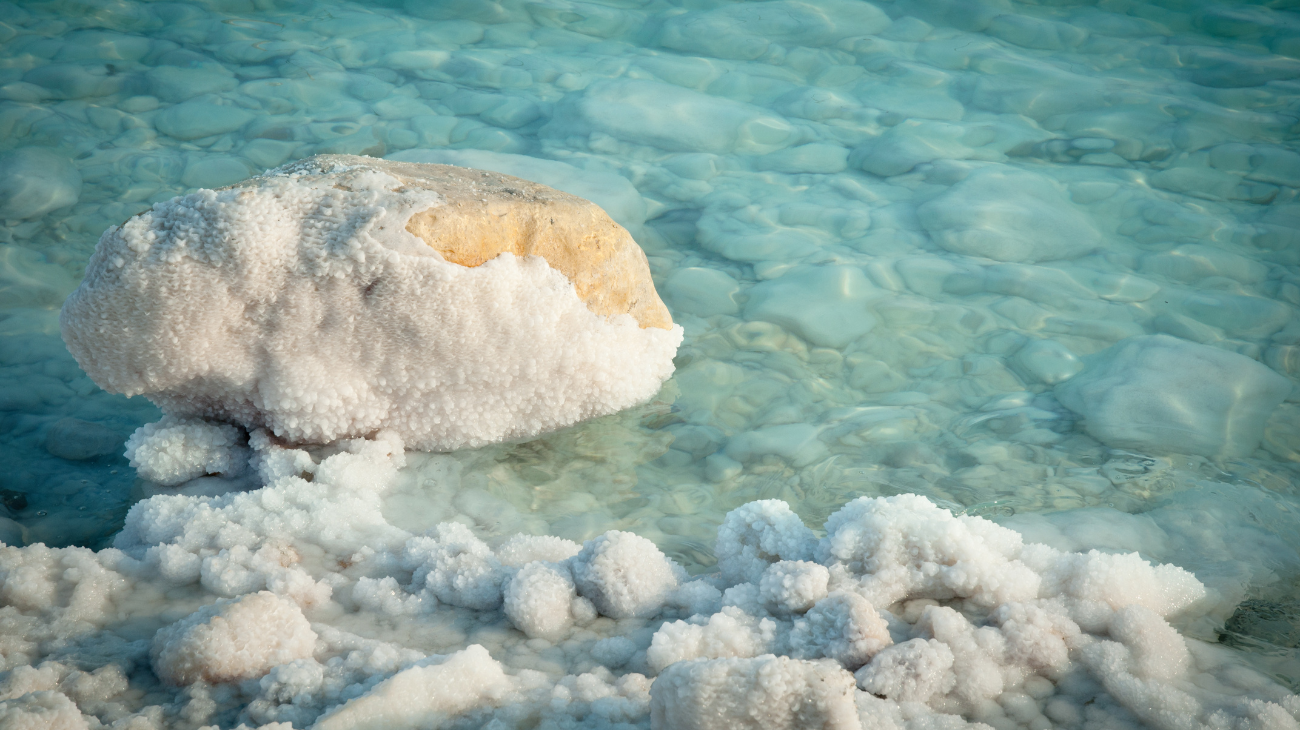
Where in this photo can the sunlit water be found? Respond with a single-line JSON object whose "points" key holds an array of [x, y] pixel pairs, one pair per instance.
{"points": [[888, 236]]}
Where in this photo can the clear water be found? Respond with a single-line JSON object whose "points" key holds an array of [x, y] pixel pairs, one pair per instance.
{"points": [[1148, 167]]}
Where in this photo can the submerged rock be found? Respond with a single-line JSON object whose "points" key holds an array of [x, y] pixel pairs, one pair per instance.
{"points": [[35, 181], [1274, 622], [1161, 394], [77, 440], [341, 295]]}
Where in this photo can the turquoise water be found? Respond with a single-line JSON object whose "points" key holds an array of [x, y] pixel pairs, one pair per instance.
{"points": [[894, 234]]}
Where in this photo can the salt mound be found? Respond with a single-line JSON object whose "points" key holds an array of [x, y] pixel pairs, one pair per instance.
{"points": [[341, 295], [1159, 394], [229, 641]]}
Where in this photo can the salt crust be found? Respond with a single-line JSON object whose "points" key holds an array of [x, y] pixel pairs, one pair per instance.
{"points": [[928, 620], [176, 450], [231, 640], [301, 304]]}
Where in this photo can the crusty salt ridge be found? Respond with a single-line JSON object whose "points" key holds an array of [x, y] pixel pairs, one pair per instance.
{"points": [[301, 301], [929, 620]]}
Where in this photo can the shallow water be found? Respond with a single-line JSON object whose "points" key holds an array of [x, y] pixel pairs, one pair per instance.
{"points": [[889, 231]]}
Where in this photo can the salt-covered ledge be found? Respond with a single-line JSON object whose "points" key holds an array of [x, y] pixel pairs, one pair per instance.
{"points": [[300, 603], [340, 295]]}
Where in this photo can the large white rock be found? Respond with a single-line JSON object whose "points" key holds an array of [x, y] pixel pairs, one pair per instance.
{"points": [[341, 295], [1160, 394]]}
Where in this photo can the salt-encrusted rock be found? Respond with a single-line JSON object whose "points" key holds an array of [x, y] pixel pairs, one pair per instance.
{"points": [[757, 534], [521, 550], [455, 566], [340, 295], [232, 640], [912, 671]]}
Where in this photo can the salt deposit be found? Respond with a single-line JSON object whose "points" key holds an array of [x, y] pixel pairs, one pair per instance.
{"points": [[927, 615], [1031, 262], [232, 641]]}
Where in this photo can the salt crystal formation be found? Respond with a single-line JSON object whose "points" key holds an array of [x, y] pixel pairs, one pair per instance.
{"points": [[232, 640], [901, 615], [341, 295]]}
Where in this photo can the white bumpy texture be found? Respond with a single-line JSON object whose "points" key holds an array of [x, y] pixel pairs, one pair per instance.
{"points": [[230, 641], [303, 305]]}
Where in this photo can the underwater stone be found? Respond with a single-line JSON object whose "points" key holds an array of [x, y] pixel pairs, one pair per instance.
{"points": [[175, 84], [341, 295], [825, 305], [196, 119], [1048, 360], [75, 439], [1161, 394], [229, 641], [703, 292], [1008, 215], [748, 30], [669, 117], [34, 181]]}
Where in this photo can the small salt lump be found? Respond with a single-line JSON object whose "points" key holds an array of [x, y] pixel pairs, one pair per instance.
{"points": [[523, 549], [913, 671], [539, 600], [1161, 394], [232, 640], [793, 586], [757, 534], [456, 567], [341, 295], [623, 574], [175, 450], [43, 710], [763, 693], [843, 626]]}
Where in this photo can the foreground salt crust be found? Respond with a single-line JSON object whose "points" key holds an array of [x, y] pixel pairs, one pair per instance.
{"points": [[341, 295], [900, 615]]}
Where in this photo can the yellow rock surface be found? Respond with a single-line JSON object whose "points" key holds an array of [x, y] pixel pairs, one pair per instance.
{"points": [[487, 213]]}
